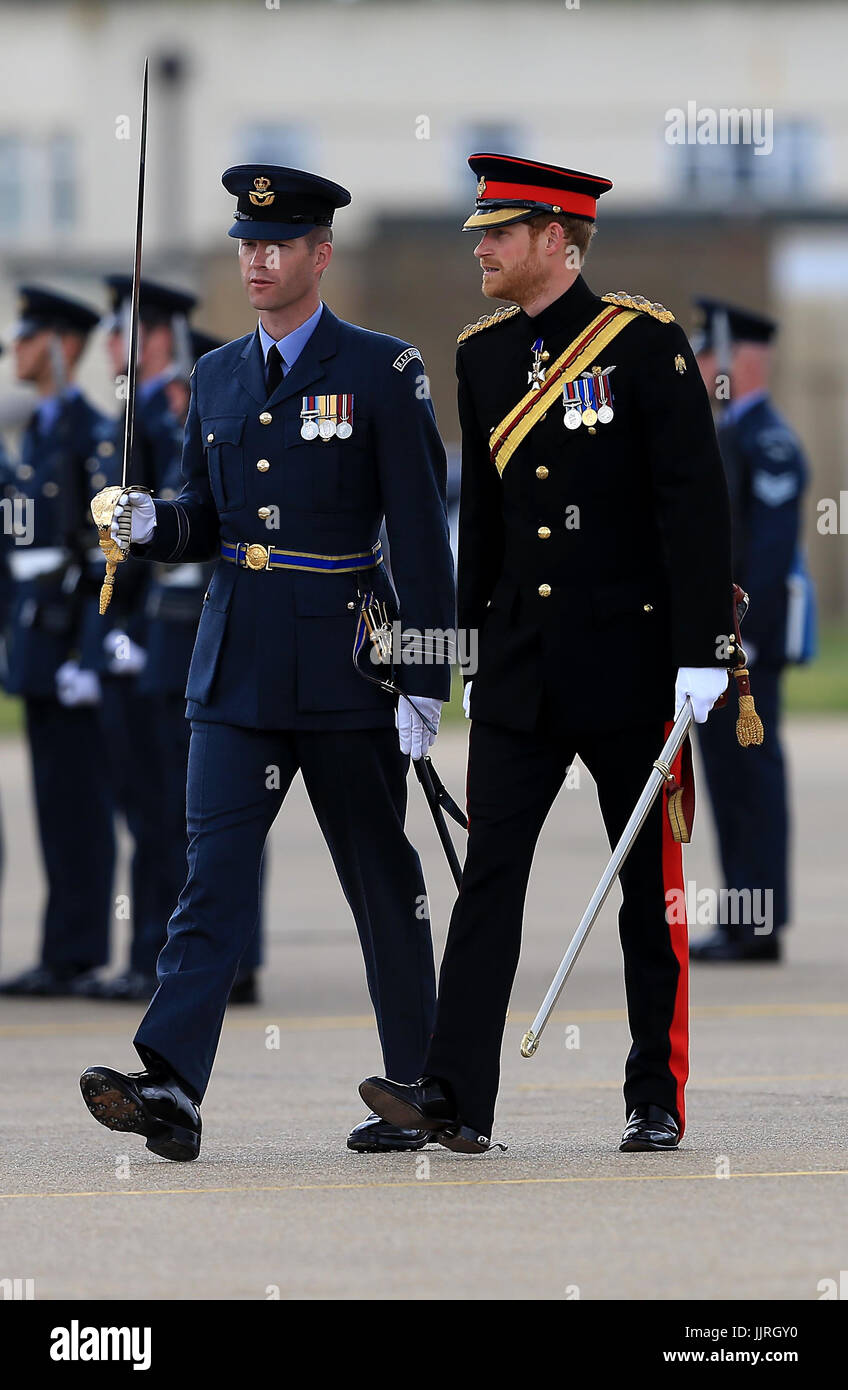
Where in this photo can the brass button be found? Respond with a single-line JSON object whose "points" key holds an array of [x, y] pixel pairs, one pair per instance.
{"points": [[98, 480], [591, 429], [352, 603], [647, 608], [264, 513], [265, 418], [544, 533], [50, 489], [544, 590], [209, 438], [541, 471], [263, 465]]}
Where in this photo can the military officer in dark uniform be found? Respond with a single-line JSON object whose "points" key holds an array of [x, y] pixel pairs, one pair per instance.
{"points": [[594, 559], [60, 469], [300, 438], [127, 714], [766, 475]]}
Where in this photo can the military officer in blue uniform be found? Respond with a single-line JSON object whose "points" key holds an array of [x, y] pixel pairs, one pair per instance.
{"points": [[128, 717], [61, 467], [766, 474], [301, 437]]}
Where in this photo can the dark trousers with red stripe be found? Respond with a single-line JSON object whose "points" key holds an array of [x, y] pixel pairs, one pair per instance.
{"points": [[513, 779]]}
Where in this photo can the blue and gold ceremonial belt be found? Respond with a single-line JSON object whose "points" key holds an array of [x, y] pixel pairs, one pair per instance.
{"points": [[261, 557]]}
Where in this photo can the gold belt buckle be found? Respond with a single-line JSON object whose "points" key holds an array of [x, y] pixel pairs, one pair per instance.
{"points": [[256, 557]]}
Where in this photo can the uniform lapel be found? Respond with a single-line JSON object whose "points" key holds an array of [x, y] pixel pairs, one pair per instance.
{"points": [[250, 371], [309, 368]]}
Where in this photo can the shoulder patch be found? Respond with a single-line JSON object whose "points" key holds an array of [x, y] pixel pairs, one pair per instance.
{"points": [[488, 321], [409, 355], [638, 301], [774, 488]]}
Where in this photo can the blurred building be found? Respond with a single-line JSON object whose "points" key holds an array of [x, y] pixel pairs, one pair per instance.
{"points": [[389, 98]]}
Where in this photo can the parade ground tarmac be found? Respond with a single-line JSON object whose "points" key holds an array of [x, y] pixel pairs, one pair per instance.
{"points": [[752, 1205]]}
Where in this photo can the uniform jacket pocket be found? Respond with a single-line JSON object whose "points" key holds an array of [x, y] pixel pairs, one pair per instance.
{"points": [[222, 436]]}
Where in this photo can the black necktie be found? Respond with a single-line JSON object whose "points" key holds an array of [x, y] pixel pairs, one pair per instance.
{"points": [[273, 369]]}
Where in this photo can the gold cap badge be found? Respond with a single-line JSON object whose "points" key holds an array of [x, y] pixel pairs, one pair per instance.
{"points": [[481, 187], [261, 198]]}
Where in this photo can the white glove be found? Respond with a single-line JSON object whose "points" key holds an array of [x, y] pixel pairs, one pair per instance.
{"points": [[466, 699], [415, 737], [143, 517], [75, 686], [704, 685], [126, 658]]}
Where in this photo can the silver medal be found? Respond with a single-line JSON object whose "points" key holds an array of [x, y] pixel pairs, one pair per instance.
{"points": [[326, 429], [605, 414], [344, 429], [309, 430], [571, 419]]}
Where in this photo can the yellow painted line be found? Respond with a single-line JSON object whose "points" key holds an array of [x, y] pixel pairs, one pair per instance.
{"points": [[436, 1182], [700, 1083], [117, 1027]]}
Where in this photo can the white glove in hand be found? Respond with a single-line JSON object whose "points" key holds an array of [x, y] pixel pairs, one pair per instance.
{"points": [[415, 737], [126, 658], [143, 517], [75, 686], [704, 685], [466, 699]]}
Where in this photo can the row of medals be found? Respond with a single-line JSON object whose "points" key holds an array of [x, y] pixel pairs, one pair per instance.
{"points": [[573, 418], [318, 424]]}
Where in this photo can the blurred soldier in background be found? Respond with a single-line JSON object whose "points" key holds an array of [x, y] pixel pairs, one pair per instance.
{"points": [[61, 466], [172, 611], [120, 641], [766, 474]]}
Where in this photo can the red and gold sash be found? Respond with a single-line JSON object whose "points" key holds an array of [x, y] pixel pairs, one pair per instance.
{"points": [[506, 437]]}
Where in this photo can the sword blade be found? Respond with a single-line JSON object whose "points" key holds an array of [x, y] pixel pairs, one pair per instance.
{"points": [[132, 360], [671, 748]]}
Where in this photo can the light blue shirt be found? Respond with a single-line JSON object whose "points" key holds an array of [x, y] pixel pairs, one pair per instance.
{"points": [[293, 344], [145, 389], [47, 411], [736, 409]]}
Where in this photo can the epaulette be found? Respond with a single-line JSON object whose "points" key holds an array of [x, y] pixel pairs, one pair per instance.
{"points": [[488, 321], [638, 301]]}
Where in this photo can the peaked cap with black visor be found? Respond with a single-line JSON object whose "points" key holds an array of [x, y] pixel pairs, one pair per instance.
{"points": [[277, 204], [511, 190]]}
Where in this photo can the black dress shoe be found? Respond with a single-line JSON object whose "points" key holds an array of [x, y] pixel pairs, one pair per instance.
{"points": [[152, 1103], [649, 1127], [376, 1136], [722, 947], [131, 985], [245, 989], [46, 982], [423, 1105]]}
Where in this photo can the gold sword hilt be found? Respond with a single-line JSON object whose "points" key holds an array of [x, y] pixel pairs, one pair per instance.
{"points": [[115, 550], [529, 1043]]}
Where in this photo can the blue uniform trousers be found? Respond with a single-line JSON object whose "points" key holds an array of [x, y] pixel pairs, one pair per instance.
{"points": [[356, 782], [172, 733], [748, 793], [74, 808]]}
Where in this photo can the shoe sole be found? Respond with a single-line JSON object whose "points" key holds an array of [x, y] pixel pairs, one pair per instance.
{"points": [[395, 1111], [389, 1147], [115, 1107], [639, 1146]]}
